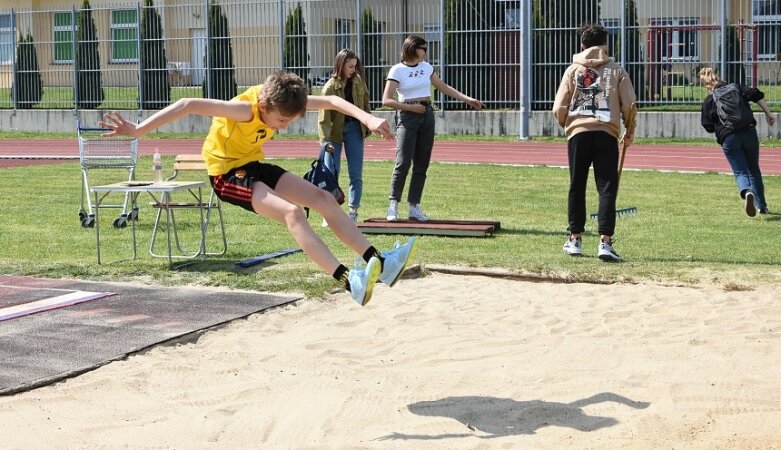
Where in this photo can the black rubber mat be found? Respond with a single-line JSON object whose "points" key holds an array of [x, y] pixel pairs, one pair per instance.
{"points": [[42, 348]]}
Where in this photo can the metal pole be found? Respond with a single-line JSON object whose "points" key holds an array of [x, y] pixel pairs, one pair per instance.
{"points": [[622, 60], [359, 30], [76, 92], [525, 62], [724, 27], [442, 60], [14, 87], [282, 63], [209, 63], [141, 60]]}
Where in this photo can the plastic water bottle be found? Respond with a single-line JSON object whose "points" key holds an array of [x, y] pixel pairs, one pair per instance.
{"points": [[157, 167]]}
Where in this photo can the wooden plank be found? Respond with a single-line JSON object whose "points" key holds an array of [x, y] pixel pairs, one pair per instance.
{"points": [[495, 224], [426, 231], [432, 227]]}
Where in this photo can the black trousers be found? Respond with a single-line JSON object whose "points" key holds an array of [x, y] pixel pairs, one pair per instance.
{"points": [[600, 149]]}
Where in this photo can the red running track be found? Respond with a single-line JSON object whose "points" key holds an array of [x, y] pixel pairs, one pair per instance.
{"points": [[654, 157]]}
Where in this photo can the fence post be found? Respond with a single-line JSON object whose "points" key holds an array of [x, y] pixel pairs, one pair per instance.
{"points": [[525, 61], [724, 26], [282, 63], [358, 32], [75, 63], [442, 60], [141, 93], [15, 66]]}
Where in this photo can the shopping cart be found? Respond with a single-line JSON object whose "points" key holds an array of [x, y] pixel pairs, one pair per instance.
{"points": [[96, 152]]}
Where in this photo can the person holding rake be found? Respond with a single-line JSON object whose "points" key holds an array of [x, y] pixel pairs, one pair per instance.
{"points": [[594, 95]]}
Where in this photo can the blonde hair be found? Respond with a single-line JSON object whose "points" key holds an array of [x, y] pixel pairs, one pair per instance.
{"points": [[709, 78]]}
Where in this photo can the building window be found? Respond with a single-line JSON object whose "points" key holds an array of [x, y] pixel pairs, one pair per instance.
{"points": [[344, 30], [124, 35], [6, 39], [767, 18], [63, 37], [676, 39]]}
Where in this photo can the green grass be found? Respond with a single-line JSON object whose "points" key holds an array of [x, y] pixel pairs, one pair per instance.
{"points": [[689, 228]]}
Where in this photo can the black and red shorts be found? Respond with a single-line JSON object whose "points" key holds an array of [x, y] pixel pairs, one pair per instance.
{"points": [[235, 187]]}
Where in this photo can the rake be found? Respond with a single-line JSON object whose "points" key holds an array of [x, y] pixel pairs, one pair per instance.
{"points": [[630, 211]]}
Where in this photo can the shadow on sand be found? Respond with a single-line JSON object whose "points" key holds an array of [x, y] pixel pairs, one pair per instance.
{"points": [[491, 417]]}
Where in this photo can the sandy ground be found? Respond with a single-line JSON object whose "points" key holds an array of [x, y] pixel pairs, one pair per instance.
{"points": [[443, 362]]}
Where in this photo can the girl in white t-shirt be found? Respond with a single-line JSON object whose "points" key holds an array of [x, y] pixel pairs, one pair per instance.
{"points": [[408, 91]]}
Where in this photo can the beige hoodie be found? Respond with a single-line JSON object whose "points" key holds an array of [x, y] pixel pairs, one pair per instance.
{"points": [[595, 94]]}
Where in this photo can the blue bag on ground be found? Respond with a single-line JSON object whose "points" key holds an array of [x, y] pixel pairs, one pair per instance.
{"points": [[321, 176]]}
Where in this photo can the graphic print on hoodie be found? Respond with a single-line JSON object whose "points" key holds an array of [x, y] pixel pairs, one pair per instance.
{"points": [[592, 98]]}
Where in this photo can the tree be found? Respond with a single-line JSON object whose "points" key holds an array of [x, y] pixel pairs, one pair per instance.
{"points": [[634, 59], [89, 85], [555, 41], [155, 89], [470, 54], [28, 84], [371, 47], [296, 56], [736, 73], [220, 71]]}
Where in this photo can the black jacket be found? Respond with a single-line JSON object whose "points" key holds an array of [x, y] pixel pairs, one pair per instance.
{"points": [[710, 119]]}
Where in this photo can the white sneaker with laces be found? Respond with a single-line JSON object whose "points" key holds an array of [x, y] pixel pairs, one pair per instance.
{"points": [[353, 214], [607, 253], [362, 281], [416, 213], [573, 247], [393, 211], [396, 260]]}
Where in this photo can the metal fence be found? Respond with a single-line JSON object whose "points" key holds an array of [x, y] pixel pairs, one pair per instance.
{"points": [[508, 53]]}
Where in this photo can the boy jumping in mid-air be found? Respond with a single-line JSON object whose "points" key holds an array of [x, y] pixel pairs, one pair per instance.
{"points": [[233, 151]]}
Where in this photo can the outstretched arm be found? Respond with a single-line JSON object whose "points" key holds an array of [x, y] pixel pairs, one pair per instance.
{"points": [[118, 125], [768, 115], [373, 123], [450, 91]]}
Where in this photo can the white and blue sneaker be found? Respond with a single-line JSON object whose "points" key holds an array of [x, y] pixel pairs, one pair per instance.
{"points": [[362, 280], [396, 260]]}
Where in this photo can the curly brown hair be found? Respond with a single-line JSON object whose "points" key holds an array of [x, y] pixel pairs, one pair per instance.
{"points": [[286, 93]]}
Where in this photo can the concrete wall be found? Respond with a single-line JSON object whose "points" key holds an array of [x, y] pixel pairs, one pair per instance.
{"points": [[491, 123]]}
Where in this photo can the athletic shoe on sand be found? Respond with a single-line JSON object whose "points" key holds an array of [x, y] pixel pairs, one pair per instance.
{"points": [[396, 260], [362, 280]]}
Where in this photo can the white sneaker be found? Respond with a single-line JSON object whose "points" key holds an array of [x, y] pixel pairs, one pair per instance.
{"points": [[393, 211], [415, 213], [362, 281], [353, 214], [573, 247], [607, 253], [396, 260]]}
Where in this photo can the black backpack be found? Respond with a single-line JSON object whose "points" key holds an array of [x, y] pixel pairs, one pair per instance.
{"points": [[732, 108], [321, 176]]}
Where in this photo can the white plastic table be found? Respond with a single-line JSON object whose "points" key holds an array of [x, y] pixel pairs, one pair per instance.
{"points": [[164, 189]]}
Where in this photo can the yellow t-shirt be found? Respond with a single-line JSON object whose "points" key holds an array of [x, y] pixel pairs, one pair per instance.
{"points": [[232, 144]]}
